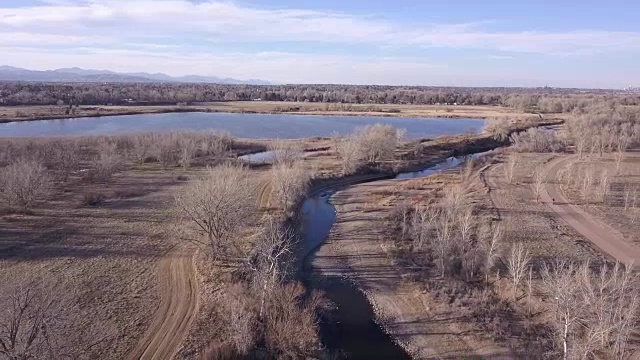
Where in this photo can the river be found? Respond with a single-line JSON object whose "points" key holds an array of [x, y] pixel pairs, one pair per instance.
{"points": [[350, 329]]}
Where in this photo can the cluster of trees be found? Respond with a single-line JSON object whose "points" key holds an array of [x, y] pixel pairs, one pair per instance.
{"points": [[267, 312], [447, 235], [538, 99], [31, 169], [605, 129], [370, 145]]}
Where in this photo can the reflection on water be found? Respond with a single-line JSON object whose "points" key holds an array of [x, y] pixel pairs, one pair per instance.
{"points": [[255, 126]]}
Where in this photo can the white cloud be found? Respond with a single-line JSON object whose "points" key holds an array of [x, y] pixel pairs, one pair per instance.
{"points": [[228, 22], [182, 37]]}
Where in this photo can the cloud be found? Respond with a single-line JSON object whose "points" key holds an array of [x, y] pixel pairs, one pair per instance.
{"points": [[227, 22]]}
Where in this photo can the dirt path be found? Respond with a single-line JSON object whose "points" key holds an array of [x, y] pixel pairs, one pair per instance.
{"points": [[600, 234], [178, 306]]}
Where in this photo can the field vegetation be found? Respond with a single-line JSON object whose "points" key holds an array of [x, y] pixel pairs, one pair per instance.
{"points": [[112, 244]]}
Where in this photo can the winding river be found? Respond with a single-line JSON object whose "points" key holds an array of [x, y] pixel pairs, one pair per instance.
{"points": [[350, 329]]}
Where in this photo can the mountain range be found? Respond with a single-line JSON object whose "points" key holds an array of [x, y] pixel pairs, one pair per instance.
{"points": [[10, 73]]}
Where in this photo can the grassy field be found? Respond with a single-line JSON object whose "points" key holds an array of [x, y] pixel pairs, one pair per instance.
{"points": [[25, 113]]}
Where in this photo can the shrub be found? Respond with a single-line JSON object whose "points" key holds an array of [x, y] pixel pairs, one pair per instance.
{"points": [[93, 199], [24, 183]]}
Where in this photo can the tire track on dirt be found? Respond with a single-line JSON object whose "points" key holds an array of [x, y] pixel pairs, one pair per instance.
{"points": [[264, 194], [178, 306], [600, 234]]}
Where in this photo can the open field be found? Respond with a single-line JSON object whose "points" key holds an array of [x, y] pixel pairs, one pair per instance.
{"points": [[122, 260], [26, 113]]}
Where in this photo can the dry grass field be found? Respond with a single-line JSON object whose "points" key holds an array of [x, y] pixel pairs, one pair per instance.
{"points": [[25, 113]]}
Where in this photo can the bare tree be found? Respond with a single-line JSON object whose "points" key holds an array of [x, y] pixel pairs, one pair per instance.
{"points": [[423, 218], [291, 322], [494, 239], [24, 183], [509, 168], [377, 142], [166, 149], [188, 149], [517, 263], [285, 152], [442, 242], [24, 325], [604, 186], [560, 285], [141, 147], [348, 151], [269, 259], [587, 182], [106, 162], [538, 183], [65, 157], [241, 330], [218, 205], [289, 181]]}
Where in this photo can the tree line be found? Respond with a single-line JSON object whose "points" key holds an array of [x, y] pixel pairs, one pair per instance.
{"points": [[547, 100]]}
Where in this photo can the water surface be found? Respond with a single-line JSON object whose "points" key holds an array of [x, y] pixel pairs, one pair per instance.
{"points": [[255, 126]]}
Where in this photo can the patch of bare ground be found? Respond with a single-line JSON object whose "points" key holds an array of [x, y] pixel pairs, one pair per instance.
{"points": [[613, 195], [98, 261], [527, 220]]}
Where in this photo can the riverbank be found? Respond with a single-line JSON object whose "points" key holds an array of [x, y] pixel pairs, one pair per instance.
{"points": [[31, 113]]}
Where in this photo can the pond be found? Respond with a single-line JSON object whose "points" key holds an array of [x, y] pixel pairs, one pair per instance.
{"points": [[254, 126]]}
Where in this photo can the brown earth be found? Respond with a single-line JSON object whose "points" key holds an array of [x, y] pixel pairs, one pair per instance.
{"points": [[178, 306], [26, 113], [602, 235]]}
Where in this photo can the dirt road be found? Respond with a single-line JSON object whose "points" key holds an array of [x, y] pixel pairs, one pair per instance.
{"points": [[600, 234], [178, 306]]}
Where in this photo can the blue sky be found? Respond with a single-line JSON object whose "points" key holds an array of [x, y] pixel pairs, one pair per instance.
{"points": [[567, 43]]}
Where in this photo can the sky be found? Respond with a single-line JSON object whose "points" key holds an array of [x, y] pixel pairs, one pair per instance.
{"points": [[561, 43]]}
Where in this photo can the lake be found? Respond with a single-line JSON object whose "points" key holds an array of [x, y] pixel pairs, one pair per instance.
{"points": [[255, 126]]}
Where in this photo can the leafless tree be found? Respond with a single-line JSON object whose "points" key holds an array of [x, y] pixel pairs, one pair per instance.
{"points": [[587, 183], [349, 153], [377, 142], [442, 241], [423, 218], [166, 149], [491, 244], [188, 148], [218, 205], [498, 128], [141, 147], [65, 157], [216, 145], [241, 321], [24, 183], [291, 322], [269, 259], [559, 282], [538, 183], [604, 186], [509, 168], [106, 162], [289, 182], [24, 325], [518, 263], [595, 311], [285, 152], [619, 159]]}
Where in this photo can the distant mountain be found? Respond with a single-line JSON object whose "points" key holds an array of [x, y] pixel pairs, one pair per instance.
{"points": [[10, 73]]}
